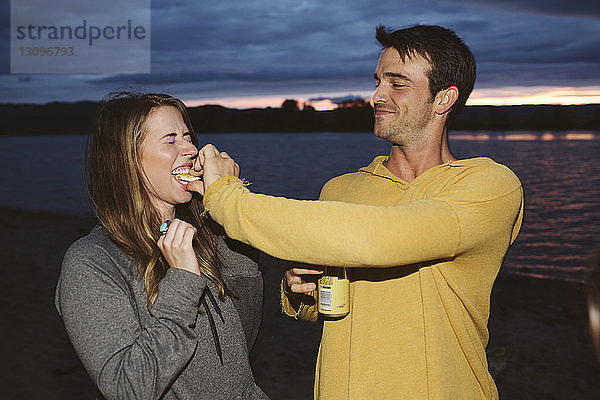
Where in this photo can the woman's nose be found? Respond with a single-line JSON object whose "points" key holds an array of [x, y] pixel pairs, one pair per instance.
{"points": [[190, 150]]}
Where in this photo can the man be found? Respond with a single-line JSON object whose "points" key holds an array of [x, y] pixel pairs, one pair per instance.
{"points": [[423, 240]]}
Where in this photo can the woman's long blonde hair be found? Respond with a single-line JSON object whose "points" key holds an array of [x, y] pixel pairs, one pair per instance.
{"points": [[117, 190]]}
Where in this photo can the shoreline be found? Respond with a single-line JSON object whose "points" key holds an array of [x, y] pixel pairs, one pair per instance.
{"points": [[538, 327], [493, 133], [52, 117]]}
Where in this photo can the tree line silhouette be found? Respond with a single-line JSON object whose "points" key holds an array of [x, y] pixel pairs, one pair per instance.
{"points": [[354, 116]]}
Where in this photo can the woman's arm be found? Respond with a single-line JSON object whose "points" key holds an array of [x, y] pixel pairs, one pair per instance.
{"points": [[244, 279], [125, 358]]}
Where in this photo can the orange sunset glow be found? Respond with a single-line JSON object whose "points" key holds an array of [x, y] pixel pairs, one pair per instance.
{"points": [[535, 95], [323, 105], [492, 97], [264, 102]]}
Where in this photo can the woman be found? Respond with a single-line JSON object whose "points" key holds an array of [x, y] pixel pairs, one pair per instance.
{"points": [[156, 315]]}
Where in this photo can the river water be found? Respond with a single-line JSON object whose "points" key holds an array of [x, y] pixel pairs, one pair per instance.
{"points": [[559, 170]]}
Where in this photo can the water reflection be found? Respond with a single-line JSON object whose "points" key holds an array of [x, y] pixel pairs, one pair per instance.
{"points": [[580, 136], [547, 136], [560, 173], [523, 136], [470, 136]]}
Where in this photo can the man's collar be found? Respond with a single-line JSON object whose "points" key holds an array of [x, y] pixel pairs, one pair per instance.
{"points": [[377, 168]]}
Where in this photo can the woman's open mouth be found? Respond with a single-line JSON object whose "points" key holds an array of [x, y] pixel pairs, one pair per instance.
{"points": [[183, 176]]}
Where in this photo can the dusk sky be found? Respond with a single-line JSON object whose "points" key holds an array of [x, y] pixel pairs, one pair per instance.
{"points": [[256, 53]]}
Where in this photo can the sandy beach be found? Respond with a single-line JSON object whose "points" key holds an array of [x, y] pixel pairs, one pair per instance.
{"points": [[539, 347]]}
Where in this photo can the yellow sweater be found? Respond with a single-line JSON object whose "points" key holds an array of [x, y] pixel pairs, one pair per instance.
{"points": [[424, 256]]}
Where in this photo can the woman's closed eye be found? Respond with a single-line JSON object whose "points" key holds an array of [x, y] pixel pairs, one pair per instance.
{"points": [[171, 138]]}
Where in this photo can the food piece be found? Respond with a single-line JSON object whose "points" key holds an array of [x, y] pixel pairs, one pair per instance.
{"points": [[185, 177], [183, 174]]}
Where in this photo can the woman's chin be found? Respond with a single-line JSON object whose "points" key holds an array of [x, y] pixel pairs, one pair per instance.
{"points": [[186, 198]]}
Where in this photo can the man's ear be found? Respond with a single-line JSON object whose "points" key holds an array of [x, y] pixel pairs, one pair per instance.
{"points": [[445, 99]]}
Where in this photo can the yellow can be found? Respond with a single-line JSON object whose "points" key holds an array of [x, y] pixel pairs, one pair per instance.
{"points": [[334, 292]]}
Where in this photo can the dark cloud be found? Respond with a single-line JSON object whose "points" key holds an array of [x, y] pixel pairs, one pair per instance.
{"points": [[503, 74], [246, 48], [4, 37], [539, 43], [562, 8], [273, 74]]}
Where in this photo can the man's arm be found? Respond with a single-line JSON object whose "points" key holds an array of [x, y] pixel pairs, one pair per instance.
{"points": [[298, 297], [334, 233], [478, 206]]}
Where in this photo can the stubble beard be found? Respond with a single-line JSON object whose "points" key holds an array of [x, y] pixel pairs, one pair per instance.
{"points": [[401, 131]]}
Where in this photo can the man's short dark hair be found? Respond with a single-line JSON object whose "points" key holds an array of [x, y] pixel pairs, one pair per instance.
{"points": [[452, 63]]}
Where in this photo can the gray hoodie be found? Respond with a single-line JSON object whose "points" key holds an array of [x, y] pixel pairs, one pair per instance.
{"points": [[172, 350]]}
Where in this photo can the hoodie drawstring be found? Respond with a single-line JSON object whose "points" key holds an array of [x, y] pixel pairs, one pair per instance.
{"points": [[213, 301], [211, 321]]}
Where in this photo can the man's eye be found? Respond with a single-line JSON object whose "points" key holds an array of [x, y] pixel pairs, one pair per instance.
{"points": [[397, 85]]}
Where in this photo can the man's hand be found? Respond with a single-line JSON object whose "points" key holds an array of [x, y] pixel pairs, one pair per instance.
{"points": [[296, 284], [213, 165]]}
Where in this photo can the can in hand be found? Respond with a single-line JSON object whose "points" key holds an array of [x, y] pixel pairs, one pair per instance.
{"points": [[334, 292]]}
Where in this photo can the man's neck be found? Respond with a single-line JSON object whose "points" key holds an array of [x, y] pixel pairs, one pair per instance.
{"points": [[408, 163]]}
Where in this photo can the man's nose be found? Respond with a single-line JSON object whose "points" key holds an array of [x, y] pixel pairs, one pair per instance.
{"points": [[379, 96]]}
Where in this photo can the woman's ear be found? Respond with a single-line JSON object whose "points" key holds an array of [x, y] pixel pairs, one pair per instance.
{"points": [[445, 99]]}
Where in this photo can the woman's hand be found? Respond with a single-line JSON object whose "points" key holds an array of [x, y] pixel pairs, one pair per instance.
{"points": [[213, 165], [176, 246]]}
